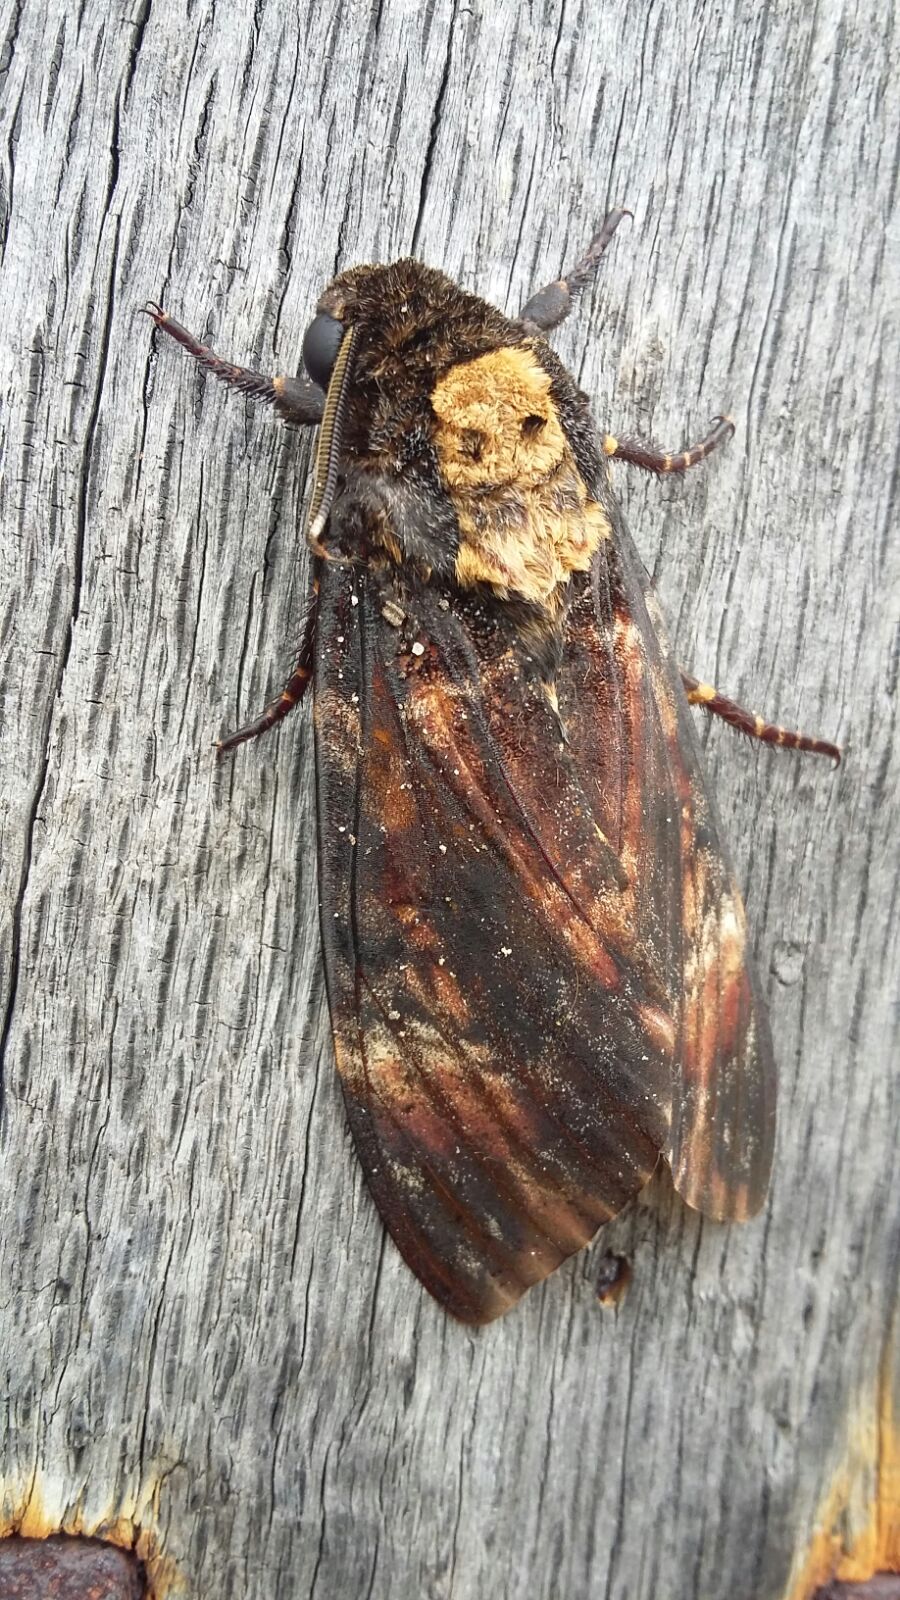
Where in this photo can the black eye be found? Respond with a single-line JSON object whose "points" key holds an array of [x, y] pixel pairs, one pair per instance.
{"points": [[321, 343]]}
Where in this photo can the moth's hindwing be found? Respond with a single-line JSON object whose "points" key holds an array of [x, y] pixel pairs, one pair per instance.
{"points": [[722, 1138]]}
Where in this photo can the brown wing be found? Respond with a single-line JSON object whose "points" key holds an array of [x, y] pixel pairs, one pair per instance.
{"points": [[722, 1137], [502, 929]]}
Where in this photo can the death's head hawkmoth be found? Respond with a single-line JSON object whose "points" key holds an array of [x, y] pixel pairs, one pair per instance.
{"points": [[535, 950]]}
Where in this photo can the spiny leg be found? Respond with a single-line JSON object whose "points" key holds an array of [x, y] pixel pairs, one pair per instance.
{"points": [[640, 455], [703, 694], [295, 399], [293, 691], [551, 305]]}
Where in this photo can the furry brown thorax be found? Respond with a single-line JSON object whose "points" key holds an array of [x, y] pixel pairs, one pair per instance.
{"points": [[467, 449]]}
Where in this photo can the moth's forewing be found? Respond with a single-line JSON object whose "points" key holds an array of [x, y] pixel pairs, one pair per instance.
{"points": [[502, 1027]]}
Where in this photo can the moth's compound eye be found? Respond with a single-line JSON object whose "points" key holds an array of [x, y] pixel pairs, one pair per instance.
{"points": [[321, 343]]}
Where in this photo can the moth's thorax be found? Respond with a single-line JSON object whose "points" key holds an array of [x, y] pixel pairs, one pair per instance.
{"points": [[455, 402], [526, 520]]}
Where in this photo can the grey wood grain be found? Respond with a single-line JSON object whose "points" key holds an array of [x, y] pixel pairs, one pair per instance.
{"points": [[202, 1327]]}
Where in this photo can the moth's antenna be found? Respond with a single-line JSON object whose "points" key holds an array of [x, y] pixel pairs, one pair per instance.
{"points": [[328, 446]]}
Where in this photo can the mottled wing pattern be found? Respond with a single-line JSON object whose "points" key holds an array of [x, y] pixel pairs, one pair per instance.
{"points": [[501, 921], [722, 1137]]}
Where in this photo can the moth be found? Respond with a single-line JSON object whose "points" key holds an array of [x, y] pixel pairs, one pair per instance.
{"points": [[535, 949]]}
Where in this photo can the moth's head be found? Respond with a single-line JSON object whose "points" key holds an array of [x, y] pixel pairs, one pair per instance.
{"points": [[410, 321]]}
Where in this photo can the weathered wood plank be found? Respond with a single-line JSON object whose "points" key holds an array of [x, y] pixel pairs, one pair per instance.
{"points": [[203, 1330]]}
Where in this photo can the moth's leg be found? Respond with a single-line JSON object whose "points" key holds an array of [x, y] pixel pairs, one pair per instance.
{"points": [[551, 305], [295, 399], [293, 691], [703, 694], [640, 455]]}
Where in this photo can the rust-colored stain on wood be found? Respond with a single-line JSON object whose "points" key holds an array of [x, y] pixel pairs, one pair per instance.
{"points": [[60, 1568], [856, 1540], [37, 1512]]}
